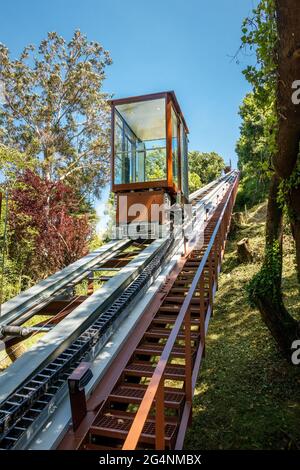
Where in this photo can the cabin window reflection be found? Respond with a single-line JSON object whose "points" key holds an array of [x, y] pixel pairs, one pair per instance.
{"points": [[140, 142]]}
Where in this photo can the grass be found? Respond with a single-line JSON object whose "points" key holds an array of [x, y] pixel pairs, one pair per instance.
{"points": [[247, 396]]}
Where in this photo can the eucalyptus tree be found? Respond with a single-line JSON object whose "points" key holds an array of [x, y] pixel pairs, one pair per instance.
{"points": [[53, 109]]}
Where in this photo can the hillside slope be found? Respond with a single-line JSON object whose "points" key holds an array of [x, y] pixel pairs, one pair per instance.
{"points": [[248, 396]]}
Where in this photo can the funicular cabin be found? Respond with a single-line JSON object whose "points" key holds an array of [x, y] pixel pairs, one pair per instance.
{"points": [[149, 153]]}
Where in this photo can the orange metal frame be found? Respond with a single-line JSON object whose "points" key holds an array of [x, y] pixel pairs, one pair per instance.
{"points": [[203, 286], [155, 390]]}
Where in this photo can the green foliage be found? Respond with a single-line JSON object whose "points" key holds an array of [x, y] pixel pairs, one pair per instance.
{"points": [[14, 278], [207, 166], [194, 182], [54, 112], [257, 143], [255, 146], [259, 34], [286, 185], [54, 122], [95, 242], [13, 162], [155, 167], [267, 281], [247, 397], [251, 191]]}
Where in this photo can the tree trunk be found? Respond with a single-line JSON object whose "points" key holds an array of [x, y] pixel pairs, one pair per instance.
{"points": [[282, 326], [244, 252], [288, 138], [288, 64], [294, 205], [269, 300], [237, 220], [274, 222]]}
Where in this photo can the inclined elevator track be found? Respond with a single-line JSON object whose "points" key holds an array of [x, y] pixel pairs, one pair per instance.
{"points": [[32, 401], [58, 308], [20, 411], [113, 421]]}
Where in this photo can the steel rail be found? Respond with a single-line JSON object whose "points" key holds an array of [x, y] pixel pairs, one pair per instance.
{"points": [[155, 389], [200, 191], [38, 295], [205, 206], [99, 395], [6, 422], [84, 274], [61, 336], [54, 374]]}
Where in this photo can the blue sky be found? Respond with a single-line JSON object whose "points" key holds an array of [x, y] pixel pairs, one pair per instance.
{"points": [[156, 45]]}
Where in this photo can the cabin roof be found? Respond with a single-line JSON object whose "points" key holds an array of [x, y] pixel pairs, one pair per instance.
{"points": [[152, 96]]}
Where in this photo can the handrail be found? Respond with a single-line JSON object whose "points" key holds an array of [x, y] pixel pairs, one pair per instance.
{"points": [[157, 379]]}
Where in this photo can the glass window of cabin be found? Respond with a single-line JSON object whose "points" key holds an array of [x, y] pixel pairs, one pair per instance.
{"points": [[184, 161], [140, 142], [174, 146]]}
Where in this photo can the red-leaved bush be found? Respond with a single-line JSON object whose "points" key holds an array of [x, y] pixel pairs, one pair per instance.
{"points": [[47, 231]]}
